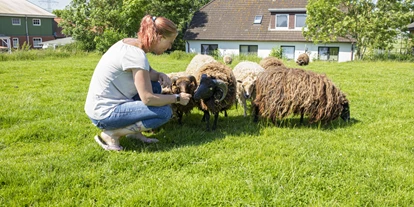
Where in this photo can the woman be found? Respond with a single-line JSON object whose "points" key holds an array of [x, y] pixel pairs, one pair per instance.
{"points": [[124, 94]]}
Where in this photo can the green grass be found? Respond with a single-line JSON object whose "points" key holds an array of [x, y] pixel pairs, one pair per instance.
{"points": [[48, 156]]}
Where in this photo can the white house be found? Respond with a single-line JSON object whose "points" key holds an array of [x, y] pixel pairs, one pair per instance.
{"points": [[255, 27]]}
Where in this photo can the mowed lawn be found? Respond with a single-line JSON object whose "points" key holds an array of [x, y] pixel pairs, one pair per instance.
{"points": [[48, 156]]}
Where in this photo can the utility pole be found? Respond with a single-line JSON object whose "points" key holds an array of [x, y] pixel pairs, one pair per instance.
{"points": [[49, 4]]}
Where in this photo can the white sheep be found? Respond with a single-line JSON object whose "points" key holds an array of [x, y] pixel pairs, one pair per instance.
{"points": [[197, 62], [227, 59], [246, 73]]}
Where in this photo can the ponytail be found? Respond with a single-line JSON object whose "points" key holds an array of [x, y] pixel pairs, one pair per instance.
{"points": [[154, 28]]}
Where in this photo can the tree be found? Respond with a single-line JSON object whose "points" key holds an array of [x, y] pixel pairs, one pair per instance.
{"points": [[97, 24], [368, 24]]}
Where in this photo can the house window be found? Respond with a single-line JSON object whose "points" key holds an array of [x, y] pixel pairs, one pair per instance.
{"points": [[288, 52], [328, 53], [15, 42], [258, 19], [282, 21], [248, 49], [16, 21], [300, 20], [36, 22], [37, 42], [208, 49]]}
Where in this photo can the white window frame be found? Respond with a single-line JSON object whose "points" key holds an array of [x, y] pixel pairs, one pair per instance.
{"points": [[296, 21], [15, 23], [37, 24], [15, 42], [287, 22], [39, 44]]}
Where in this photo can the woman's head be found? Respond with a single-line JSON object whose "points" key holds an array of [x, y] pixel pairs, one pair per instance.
{"points": [[156, 34]]}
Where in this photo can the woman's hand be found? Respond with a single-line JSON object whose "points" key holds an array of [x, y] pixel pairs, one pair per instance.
{"points": [[164, 80], [184, 98]]}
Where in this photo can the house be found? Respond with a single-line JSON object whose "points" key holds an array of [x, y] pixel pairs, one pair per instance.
{"points": [[411, 28], [22, 21], [237, 27]]}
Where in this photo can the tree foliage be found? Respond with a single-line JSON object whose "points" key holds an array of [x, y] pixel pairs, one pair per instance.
{"points": [[97, 24], [368, 24]]}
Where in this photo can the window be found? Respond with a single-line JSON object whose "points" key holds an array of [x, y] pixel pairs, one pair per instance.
{"points": [[16, 21], [37, 42], [15, 42], [281, 21], [208, 49], [36, 22], [288, 52], [328, 53], [248, 49], [300, 20], [258, 19]]}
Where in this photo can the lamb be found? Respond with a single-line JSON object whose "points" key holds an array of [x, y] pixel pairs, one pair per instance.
{"points": [[197, 62], [246, 73], [182, 82], [216, 90], [227, 59], [270, 61], [282, 91], [303, 59]]}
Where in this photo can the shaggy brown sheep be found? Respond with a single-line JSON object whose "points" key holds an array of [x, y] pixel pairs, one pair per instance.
{"points": [[216, 90], [270, 61], [303, 59], [182, 83], [227, 59], [282, 91]]}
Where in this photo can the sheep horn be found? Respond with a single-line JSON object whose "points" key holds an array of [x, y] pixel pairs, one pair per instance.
{"points": [[222, 87]]}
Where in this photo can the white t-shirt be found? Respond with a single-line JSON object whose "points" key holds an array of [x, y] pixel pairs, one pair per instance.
{"points": [[112, 82]]}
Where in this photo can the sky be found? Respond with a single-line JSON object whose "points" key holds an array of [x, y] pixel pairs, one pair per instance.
{"points": [[54, 4]]}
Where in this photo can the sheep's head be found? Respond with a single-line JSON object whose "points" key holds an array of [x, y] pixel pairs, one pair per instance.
{"points": [[247, 86], [345, 113], [211, 87], [186, 84]]}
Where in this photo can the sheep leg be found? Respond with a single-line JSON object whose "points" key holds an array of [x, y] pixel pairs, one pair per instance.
{"points": [[255, 112], [225, 113], [206, 118], [215, 120], [244, 107], [180, 117], [301, 117]]}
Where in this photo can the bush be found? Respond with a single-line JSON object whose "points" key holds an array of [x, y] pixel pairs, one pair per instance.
{"points": [[276, 52]]}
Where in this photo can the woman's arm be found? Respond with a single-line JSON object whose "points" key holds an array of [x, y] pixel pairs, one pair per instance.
{"points": [[142, 81], [164, 80]]}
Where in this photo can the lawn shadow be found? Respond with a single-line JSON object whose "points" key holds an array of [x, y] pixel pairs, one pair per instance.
{"points": [[294, 122], [193, 132]]}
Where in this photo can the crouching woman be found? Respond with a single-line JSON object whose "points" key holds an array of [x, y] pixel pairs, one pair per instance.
{"points": [[124, 97]]}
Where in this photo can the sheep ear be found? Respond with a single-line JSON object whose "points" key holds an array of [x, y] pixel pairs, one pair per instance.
{"points": [[192, 79], [222, 87], [174, 80], [239, 81]]}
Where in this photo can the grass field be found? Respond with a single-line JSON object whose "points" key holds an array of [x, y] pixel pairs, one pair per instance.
{"points": [[48, 156]]}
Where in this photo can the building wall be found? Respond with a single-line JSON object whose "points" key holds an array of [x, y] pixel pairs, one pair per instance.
{"points": [[23, 33], [264, 48]]}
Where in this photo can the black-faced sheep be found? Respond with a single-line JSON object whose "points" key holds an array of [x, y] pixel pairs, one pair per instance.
{"points": [[246, 73], [216, 90], [303, 59], [197, 62], [270, 62], [227, 59], [182, 82], [282, 91]]}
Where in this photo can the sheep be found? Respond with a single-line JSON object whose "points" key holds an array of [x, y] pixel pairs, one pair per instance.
{"points": [[182, 82], [216, 90], [282, 91], [227, 59], [246, 73], [270, 61], [303, 59], [197, 62]]}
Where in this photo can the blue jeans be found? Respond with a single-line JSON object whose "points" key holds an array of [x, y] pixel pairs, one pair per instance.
{"points": [[135, 111]]}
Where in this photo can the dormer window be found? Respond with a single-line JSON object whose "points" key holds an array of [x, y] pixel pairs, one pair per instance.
{"points": [[282, 21], [258, 19], [300, 21]]}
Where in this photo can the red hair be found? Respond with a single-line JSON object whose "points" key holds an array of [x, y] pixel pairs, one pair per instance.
{"points": [[154, 28]]}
